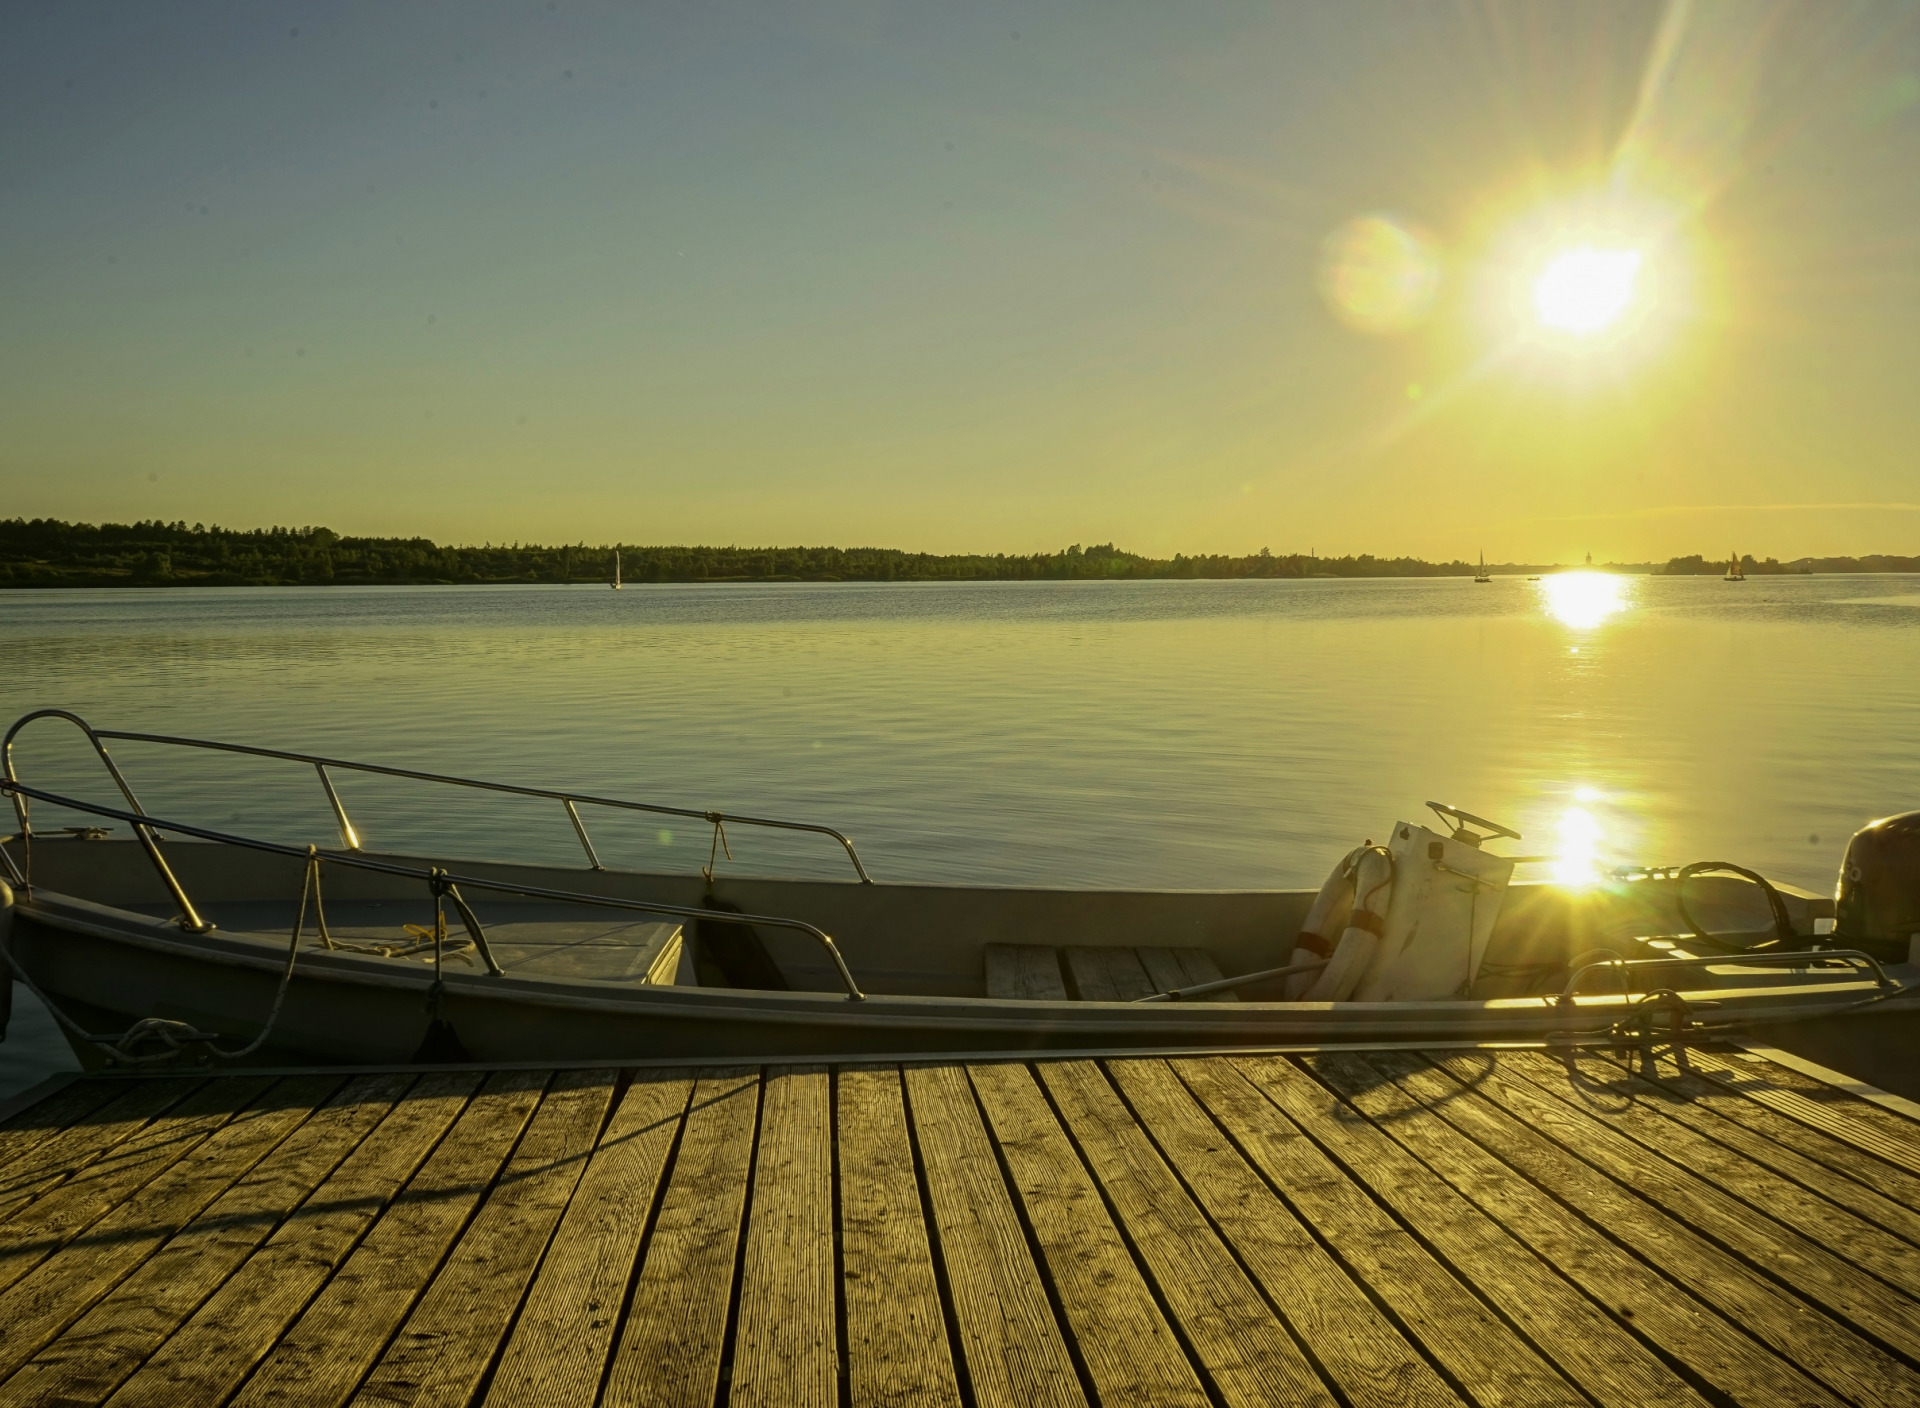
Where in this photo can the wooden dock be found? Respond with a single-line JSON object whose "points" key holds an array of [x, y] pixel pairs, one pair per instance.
{"points": [[1380, 1228]]}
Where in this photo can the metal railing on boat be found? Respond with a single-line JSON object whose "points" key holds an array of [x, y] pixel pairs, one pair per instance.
{"points": [[350, 837], [1626, 968], [145, 824]]}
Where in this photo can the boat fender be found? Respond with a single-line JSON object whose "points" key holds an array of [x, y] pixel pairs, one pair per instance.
{"points": [[1327, 915], [1372, 889]]}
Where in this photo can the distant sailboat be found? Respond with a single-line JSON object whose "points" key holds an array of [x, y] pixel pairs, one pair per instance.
{"points": [[1481, 575], [1734, 571], [616, 571]]}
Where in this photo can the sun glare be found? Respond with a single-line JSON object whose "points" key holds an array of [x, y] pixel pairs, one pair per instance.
{"points": [[1577, 861], [1585, 289], [1582, 599]]}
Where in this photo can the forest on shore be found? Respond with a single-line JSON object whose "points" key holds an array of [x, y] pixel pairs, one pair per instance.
{"points": [[46, 552]]}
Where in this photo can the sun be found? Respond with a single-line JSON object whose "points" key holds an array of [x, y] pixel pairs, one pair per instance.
{"points": [[1587, 288]]}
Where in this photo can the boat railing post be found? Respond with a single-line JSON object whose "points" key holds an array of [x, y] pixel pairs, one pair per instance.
{"points": [[348, 836], [189, 916], [580, 830]]}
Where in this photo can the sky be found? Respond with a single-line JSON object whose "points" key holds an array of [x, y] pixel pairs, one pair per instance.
{"points": [[1206, 277]]}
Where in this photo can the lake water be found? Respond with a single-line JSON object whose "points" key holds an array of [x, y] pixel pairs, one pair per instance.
{"points": [[1154, 734]]}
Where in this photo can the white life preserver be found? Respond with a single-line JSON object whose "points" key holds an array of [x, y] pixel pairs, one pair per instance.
{"points": [[1327, 916], [1372, 888]]}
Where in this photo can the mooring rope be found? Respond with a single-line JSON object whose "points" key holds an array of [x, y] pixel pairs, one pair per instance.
{"points": [[176, 1036]]}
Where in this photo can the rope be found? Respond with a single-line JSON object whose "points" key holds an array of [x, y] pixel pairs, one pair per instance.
{"points": [[719, 845], [173, 1036]]}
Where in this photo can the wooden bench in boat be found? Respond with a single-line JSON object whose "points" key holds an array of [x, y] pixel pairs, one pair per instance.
{"points": [[1042, 972]]}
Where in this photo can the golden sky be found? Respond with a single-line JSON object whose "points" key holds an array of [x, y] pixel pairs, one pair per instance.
{"points": [[1196, 277]]}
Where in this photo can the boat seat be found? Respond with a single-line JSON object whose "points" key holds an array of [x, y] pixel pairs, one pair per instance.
{"points": [[1099, 973]]}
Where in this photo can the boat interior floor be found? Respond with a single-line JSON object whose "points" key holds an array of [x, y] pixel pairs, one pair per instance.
{"points": [[530, 940], [1043, 972]]}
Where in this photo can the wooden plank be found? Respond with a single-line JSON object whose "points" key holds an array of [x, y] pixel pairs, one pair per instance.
{"points": [[322, 1357], [1169, 968], [1636, 1109], [54, 1115], [1812, 1150], [449, 1341], [52, 1162], [1029, 971], [1164, 969], [208, 1357], [90, 1359], [1819, 1346], [1646, 1303], [1358, 1347], [105, 1178], [1696, 1103], [1492, 1363], [671, 1347], [1240, 1344], [560, 1343], [1833, 1112], [786, 1348], [1770, 1246], [897, 1350], [1129, 1350], [1586, 1344], [1894, 1115], [67, 1284], [1010, 1342], [1103, 974]]}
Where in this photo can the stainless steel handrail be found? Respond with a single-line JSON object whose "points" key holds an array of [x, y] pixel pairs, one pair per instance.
{"points": [[350, 838], [358, 861], [1624, 966], [142, 829]]}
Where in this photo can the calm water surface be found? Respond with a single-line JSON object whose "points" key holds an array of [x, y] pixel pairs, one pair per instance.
{"points": [[1206, 734]]}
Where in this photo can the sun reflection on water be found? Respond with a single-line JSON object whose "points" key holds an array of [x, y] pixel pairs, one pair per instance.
{"points": [[1577, 855], [1583, 599]]}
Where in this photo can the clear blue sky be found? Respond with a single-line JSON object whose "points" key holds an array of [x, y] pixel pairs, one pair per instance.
{"points": [[983, 276]]}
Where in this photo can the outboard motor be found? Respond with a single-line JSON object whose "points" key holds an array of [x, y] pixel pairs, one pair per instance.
{"points": [[1877, 902]]}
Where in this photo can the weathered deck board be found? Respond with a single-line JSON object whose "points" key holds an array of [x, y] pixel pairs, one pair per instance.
{"points": [[671, 1352], [1371, 1228], [1661, 1311], [1010, 1342], [1648, 1115], [1492, 1363], [54, 1162], [1824, 1348], [1240, 1343], [1586, 1344], [91, 1358], [449, 1341], [785, 1349], [1361, 1351], [1868, 1185], [1107, 974], [1030, 972], [321, 1359], [209, 1357], [897, 1348], [1126, 1344], [560, 1344], [1856, 1122], [1769, 1246]]}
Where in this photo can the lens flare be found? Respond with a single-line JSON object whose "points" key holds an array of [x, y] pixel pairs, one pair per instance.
{"points": [[1585, 289], [1379, 274], [1582, 599], [1577, 859]]}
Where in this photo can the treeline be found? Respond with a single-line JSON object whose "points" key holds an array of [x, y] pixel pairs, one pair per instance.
{"points": [[45, 552], [1698, 565]]}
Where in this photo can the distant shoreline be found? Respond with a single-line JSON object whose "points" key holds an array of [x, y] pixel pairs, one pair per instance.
{"points": [[42, 553]]}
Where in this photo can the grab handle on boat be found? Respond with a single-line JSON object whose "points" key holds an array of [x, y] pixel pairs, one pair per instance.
{"points": [[190, 919], [1624, 966], [1228, 984]]}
